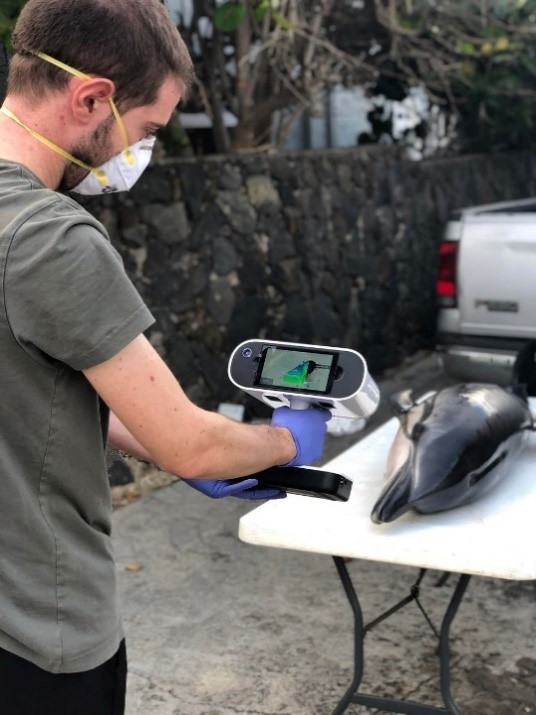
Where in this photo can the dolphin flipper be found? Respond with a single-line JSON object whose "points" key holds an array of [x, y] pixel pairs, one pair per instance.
{"points": [[401, 402]]}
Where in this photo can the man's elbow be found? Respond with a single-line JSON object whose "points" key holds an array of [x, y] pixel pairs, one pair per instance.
{"points": [[184, 468]]}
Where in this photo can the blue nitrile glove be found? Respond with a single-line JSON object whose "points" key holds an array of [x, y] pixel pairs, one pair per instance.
{"points": [[241, 489], [308, 428]]}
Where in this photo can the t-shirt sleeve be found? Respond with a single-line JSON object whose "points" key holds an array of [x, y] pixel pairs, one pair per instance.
{"points": [[68, 295]]}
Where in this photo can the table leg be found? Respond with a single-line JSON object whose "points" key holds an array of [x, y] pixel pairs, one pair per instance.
{"points": [[358, 635], [444, 650], [405, 707]]}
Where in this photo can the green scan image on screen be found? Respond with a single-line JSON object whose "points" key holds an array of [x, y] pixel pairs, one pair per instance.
{"points": [[298, 375], [296, 369]]}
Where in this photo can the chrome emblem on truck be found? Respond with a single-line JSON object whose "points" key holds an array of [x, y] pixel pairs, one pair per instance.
{"points": [[498, 306]]}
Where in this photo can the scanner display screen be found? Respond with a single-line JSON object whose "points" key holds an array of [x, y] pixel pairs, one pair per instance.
{"points": [[295, 370]]}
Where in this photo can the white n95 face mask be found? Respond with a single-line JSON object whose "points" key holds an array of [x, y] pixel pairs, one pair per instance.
{"points": [[121, 175]]}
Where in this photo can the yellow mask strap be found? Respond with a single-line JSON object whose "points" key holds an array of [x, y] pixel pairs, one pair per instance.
{"points": [[99, 173], [82, 75]]}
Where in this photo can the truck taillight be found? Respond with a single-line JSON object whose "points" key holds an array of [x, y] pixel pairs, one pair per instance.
{"points": [[446, 277]]}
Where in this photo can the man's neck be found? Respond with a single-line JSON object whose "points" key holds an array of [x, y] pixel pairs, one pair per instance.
{"points": [[18, 145]]}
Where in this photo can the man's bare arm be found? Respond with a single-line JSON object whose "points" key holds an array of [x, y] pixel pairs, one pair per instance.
{"points": [[120, 438], [176, 435]]}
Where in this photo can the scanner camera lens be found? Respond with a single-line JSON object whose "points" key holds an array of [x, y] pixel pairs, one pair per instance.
{"points": [[247, 352]]}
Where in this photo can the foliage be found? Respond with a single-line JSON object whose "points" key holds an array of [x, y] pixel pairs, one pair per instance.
{"points": [[258, 57], [3, 72], [9, 12], [476, 59]]}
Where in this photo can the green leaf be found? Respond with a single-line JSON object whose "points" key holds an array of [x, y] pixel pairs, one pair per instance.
{"points": [[465, 48], [282, 21], [261, 9], [529, 63], [493, 32], [228, 16], [410, 24]]}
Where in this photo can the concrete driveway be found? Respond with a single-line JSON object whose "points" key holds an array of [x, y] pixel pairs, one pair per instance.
{"points": [[218, 627]]}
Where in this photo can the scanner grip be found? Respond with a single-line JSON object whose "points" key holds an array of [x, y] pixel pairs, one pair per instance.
{"points": [[299, 403]]}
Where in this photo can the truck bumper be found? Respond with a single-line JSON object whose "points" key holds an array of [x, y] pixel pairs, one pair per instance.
{"points": [[478, 358]]}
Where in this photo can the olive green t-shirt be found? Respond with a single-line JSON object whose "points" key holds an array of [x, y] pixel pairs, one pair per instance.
{"points": [[66, 304]]}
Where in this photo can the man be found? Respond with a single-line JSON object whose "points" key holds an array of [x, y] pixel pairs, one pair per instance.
{"points": [[90, 83]]}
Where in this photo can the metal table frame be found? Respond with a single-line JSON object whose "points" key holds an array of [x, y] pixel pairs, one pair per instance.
{"points": [[406, 707]]}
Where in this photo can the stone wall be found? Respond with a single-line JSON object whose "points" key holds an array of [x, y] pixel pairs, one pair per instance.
{"points": [[336, 247]]}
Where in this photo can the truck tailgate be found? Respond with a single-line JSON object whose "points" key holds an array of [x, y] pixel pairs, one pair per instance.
{"points": [[497, 275]]}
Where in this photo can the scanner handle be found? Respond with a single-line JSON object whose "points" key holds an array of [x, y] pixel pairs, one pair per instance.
{"points": [[299, 403]]}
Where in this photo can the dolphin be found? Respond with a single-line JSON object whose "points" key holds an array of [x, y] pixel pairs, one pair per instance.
{"points": [[452, 447]]}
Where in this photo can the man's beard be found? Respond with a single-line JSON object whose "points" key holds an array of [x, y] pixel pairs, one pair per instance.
{"points": [[94, 152]]}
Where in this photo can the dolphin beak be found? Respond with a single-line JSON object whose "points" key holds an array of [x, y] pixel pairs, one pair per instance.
{"points": [[393, 500]]}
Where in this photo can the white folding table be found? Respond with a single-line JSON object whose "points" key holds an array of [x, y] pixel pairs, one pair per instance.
{"points": [[493, 537]]}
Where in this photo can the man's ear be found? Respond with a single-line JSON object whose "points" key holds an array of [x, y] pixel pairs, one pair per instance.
{"points": [[90, 97]]}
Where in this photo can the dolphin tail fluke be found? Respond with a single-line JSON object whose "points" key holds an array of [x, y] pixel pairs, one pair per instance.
{"points": [[394, 498]]}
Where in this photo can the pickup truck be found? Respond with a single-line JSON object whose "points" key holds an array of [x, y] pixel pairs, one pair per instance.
{"points": [[486, 289]]}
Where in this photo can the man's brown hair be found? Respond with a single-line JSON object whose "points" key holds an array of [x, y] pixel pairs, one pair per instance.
{"points": [[134, 43]]}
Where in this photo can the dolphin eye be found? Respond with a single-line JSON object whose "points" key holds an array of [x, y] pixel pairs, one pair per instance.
{"points": [[417, 431]]}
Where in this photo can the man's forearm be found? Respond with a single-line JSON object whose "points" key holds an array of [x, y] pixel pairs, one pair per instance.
{"points": [[220, 448], [120, 438], [235, 452]]}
